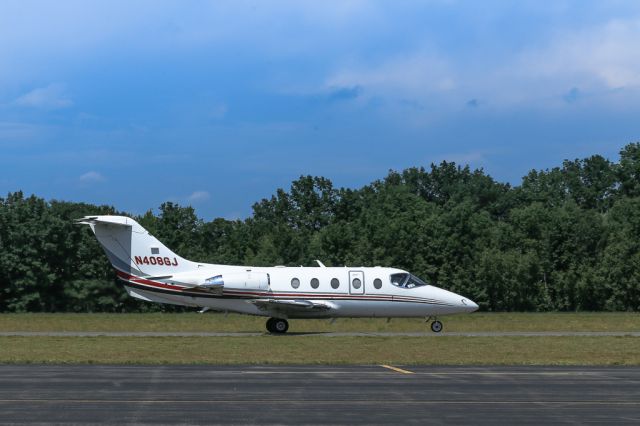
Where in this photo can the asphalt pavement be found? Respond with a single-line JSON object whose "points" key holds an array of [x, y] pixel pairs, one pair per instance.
{"points": [[167, 394]]}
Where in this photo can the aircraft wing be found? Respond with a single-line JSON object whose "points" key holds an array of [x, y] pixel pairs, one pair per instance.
{"points": [[291, 305]]}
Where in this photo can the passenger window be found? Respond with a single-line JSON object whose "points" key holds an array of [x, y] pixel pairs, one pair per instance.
{"points": [[335, 283], [295, 283], [315, 283], [356, 283], [377, 283]]}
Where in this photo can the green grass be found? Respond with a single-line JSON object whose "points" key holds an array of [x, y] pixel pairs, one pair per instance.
{"points": [[311, 349], [211, 322], [323, 350]]}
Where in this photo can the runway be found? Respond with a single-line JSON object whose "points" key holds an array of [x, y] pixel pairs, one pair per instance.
{"points": [[37, 394], [325, 334]]}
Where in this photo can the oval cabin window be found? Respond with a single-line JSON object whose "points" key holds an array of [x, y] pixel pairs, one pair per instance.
{"points": [[335, 283], [377, 283], [295, 283], [356, 283], [315, 283]]}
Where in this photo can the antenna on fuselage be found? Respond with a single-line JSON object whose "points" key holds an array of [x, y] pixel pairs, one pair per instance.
{"points": [[320, 264]]}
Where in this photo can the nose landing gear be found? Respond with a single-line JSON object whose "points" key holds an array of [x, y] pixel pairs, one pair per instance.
{"points": [[436, 326], [277, 325]]}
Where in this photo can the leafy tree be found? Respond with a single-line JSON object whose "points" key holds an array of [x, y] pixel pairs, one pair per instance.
{"points": [[567, 238]]}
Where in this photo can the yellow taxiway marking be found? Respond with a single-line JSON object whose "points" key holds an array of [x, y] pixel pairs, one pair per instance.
{"points": [[399, 370]]}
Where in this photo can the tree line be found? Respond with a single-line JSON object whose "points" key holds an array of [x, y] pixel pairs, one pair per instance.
{"points": [[565, 239]]}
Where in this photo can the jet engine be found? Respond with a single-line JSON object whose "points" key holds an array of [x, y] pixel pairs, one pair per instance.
{"points": [[243, 281], [239, 281]]}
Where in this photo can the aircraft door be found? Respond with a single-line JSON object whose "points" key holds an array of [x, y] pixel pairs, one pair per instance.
{"points": [[356, 282]]}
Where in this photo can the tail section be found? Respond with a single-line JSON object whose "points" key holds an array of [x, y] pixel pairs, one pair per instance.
{"points": [[131, 249]]}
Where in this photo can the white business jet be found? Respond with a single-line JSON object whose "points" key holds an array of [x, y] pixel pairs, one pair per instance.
{"points": [[154, 273]]}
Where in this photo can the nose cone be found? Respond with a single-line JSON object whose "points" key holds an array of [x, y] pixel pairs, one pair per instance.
{"points": [[456, 302], [468, 305]]}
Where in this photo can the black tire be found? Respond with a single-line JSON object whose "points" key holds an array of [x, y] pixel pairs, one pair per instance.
{"points": [[280, 326], [436, 326], [270, 326]]}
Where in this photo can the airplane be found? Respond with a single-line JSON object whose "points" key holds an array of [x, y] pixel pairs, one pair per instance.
{"points": [[153, 273]]}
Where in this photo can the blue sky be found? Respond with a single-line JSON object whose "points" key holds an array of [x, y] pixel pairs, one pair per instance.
{"points": [[216, 104]]}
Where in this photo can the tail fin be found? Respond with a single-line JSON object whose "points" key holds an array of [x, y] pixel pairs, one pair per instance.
{"points": [[131, 249]]}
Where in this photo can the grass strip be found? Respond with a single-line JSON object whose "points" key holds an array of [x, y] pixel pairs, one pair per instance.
{"points": [[322, 350], [215, 322]]}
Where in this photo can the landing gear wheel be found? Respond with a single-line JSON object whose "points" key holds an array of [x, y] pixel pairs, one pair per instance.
{"points": [[277, 325], [270, 327], [436, 326], [281, 325]]}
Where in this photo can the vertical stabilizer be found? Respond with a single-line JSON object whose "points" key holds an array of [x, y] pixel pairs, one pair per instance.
{"points": [[132, 249]]}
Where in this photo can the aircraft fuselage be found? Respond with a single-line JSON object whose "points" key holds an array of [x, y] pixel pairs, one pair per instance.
{"points": [[152, 272], [358, 292]]}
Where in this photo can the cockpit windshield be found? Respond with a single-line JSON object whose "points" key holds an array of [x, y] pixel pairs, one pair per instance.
{"points": [[406, 281], [398, 279]]}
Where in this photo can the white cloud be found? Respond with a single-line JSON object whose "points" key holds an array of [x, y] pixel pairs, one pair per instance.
{"points": [[418, 75], [595, 60], [199, 196], [607, 54], [436, 75], [52, 96], [31, 29], [92, 177]]}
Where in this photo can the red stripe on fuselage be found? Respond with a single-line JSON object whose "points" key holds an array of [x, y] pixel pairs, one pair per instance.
{"points": [[188, 291], [138, 280]]}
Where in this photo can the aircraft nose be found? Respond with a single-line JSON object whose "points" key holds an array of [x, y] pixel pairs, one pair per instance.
{"points": [[468, 305], [458, 303]]}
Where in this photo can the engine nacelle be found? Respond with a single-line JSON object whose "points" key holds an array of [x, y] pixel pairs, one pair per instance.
{"points": [[244, 281]]}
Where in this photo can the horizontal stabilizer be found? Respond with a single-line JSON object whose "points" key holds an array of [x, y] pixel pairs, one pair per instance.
{"points": [[111, 220]]}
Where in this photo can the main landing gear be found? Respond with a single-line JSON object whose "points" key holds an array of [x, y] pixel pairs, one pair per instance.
{"points": [[436, 326], [277, 325]]}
